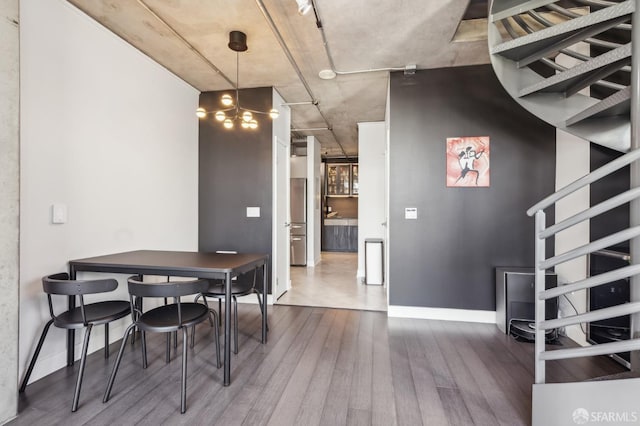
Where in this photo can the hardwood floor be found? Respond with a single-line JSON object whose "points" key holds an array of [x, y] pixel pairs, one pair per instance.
{"points": [[332, 283], [321, 366]]}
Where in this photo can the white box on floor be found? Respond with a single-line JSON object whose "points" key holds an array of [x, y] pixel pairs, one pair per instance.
{"points": [[373, 261]]}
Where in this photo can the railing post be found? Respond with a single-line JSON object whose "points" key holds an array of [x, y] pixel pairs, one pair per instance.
{"points": [[634, 208], [540, 220]]}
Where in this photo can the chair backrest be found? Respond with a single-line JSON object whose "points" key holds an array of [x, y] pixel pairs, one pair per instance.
{"points": [[60, 284], [246, 280], [249, 279], [174, 289], [166, 289]]}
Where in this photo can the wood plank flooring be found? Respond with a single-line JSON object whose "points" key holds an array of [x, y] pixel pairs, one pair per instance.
{"points": [[321, 366]]}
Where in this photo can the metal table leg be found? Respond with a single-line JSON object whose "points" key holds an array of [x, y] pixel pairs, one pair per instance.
{"points": [[264, 302], [227, 329]]}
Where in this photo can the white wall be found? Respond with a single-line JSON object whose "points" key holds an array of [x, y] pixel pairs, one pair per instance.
{"points": [[9, 212], [314, 215], [572, 162], [372, 142], [111, 134]]}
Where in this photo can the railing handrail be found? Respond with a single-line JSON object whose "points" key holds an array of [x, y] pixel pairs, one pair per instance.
{"points": [[593, 281], [592, 212], [600, 244], [591, 316], [595, 175], [600, 349]]}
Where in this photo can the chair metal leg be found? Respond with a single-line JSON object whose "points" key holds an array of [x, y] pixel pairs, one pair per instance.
{"points": [[183, 393], [143, 338], [112, 377], [168, 349], [193, 335], [235, 325], [195, 300], [106, 340], [216, 336], [35, 356], [138, 306], [83, 359]]}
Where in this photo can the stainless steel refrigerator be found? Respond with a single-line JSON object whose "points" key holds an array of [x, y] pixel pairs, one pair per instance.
{"points": [[298, 221]]}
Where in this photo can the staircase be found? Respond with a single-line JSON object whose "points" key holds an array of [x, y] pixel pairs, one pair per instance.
{"points": [[528, 41], [570, 64]]}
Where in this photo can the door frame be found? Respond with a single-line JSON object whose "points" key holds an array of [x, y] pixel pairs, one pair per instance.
{"points": [[281, 221]]}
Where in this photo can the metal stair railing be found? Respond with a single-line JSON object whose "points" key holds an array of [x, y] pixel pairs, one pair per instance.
{"points": [[542, 264]]}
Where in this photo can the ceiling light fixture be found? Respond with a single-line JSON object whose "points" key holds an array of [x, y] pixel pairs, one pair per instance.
{"points": [[304, 6], [235, 112], [327, 74]]}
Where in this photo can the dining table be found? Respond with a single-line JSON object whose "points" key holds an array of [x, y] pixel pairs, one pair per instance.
{"points": [[197, 264]]}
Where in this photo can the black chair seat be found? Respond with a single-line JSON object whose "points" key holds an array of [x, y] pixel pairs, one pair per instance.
{"points": [[164, 319], [96, 314]]}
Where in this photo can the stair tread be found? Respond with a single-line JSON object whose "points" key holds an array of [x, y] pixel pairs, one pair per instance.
{"points": [[526, 45], [618, 103], [562, 80], [515, 7]]}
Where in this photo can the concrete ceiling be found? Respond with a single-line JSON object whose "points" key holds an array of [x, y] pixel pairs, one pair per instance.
{"points": [[189, 37]]}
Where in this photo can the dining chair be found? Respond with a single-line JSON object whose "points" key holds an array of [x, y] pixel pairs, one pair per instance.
{"points": [[243, 285], [168, 318], [84, 316]]}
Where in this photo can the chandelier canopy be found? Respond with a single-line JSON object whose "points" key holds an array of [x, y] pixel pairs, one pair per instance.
{"points": [[234, 111]]}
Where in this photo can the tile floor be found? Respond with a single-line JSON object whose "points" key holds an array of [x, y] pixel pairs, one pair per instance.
{"points": [[332, 283]]}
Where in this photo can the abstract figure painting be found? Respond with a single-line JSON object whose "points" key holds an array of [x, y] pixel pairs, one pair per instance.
{"points": [[468, 161]]}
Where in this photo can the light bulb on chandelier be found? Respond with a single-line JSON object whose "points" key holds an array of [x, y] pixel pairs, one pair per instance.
{"points": [[237, 43]]}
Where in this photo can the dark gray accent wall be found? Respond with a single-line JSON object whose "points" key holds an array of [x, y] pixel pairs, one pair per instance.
{"points": [[235, 172], [446, 258], [616, 219]]}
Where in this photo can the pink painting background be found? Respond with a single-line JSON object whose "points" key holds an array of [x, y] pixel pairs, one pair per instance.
{"points": [[480, 161]]}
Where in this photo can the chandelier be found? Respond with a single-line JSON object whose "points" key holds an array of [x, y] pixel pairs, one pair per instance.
{"points": [[234, 111]]}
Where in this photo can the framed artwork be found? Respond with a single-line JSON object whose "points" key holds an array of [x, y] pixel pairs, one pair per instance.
{"points": [[468, 161]]}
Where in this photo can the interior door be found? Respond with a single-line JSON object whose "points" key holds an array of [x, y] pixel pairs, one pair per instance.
{"points": [[281, 224]]}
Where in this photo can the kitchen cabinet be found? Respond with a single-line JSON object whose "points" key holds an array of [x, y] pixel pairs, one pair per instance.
{"points": [[340, 235], [354, 179], [341, 180]]}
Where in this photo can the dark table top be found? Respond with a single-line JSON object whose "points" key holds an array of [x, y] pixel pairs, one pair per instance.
{"points": [[179, 263]]}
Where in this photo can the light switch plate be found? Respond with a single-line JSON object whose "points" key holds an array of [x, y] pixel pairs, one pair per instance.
{"points": [[253, 211], [59, 213], [410, 213]]}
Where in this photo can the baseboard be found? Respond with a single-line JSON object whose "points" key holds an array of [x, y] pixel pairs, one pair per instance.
{"points": [[444, 314]]}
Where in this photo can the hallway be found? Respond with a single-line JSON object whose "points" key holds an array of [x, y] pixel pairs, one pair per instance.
{"points": [[332, 283]]}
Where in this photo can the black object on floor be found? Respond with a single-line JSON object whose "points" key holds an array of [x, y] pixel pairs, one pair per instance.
{"points": [[526, 330]]}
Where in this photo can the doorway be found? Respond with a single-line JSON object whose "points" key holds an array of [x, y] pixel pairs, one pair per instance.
{"points": [[332, 276]]}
